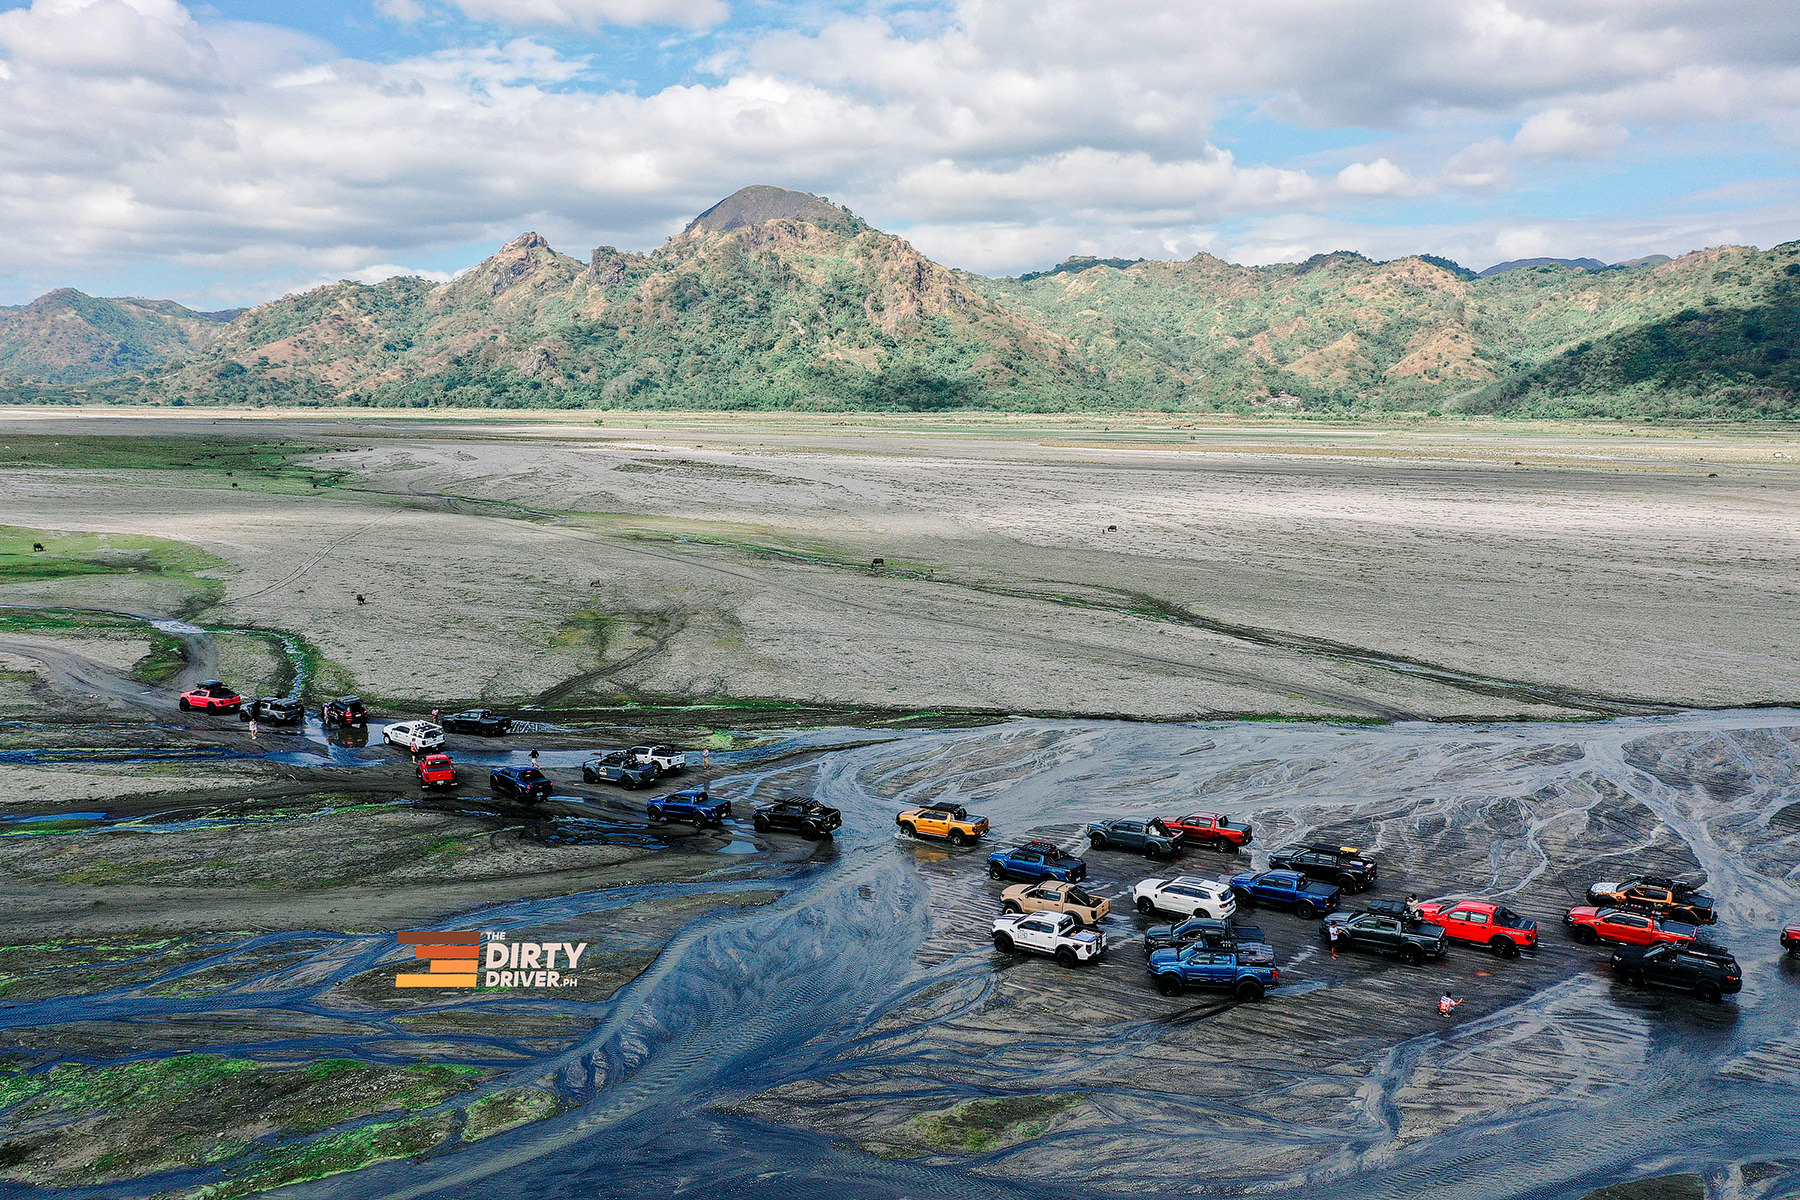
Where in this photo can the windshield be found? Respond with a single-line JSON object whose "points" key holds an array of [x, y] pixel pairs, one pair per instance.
{"points": [[531, 774]]}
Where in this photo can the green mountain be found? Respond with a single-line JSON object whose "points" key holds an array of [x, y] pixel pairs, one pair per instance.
{"points": [[66, 336], [774, 299]]}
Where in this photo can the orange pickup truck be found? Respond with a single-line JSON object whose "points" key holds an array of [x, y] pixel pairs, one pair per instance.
{"points": [[950, 821]]}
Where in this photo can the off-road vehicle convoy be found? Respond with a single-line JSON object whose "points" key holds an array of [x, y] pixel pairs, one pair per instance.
{"points": [[1059, 935], [951, 822], [798, 815]]}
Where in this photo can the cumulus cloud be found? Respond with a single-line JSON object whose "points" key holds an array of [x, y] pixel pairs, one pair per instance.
{"points": [[997, 133]]}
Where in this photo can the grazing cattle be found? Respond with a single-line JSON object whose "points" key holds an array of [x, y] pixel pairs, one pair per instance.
{"points": [[359, 598], [37, 547], [878, 562]]}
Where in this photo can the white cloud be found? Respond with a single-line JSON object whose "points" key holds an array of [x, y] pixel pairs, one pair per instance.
{"points": [[1559, 133], [1004, 134]]}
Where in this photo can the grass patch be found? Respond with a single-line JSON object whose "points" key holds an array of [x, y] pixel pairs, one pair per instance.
{"points": [[256, 463], [981, 1126], [508, 1110]]}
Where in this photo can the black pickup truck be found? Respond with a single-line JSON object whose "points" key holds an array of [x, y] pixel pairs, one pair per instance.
{"points": [[1342, 865], [799, 815], [1385, 933], [1150, 838]]}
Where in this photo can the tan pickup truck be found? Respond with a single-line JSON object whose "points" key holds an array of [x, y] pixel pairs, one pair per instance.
{"points": [[1050, 896]]}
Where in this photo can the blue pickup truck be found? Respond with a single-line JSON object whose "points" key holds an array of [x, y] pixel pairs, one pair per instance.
{"points": [[1035, 861], [1287, 889], [1175, 971], [692, 805], [521, 783]]}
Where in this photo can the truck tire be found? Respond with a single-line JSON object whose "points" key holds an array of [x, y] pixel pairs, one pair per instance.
{"points": [[1011, 906], [1709, 992], [1002, 941], [1249, 989], [958, 838], [185, 706], [996, 871], [1066, 957], [1170, 984], [813, 831], [1585, 935], [1347, 882], [1505, 947], [1150, 850], [909, 829], [762, 823], [587, 776], [1146, 905], [656, 815], [1097, 840], [1244, 898], [1411, 955], [1305, 910]]}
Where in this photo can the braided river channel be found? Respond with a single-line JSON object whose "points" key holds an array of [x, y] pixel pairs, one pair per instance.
{"points": [[798, 1045]]}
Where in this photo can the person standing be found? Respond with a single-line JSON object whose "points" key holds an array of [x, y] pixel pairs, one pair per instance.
{"points": [[253, 727], [1332, 933], [534, 759]]}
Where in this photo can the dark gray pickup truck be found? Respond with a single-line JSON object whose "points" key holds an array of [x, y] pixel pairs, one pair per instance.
{"points": [[1411, 941]]}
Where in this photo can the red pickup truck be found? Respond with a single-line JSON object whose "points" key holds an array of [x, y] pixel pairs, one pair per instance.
{"points": [[1591, 925], [1790, 938], [1209, 829], [436, 770], [1500, 929]]}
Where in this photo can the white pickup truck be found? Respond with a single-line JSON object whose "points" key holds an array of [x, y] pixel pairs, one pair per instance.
{"points": [[1059, 935], [666, 759]]}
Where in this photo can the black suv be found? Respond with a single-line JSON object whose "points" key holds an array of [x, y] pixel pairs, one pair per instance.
{"points": [[1246, 940], [800, 815], [345, 710], [1342, 865], [1707, 971], [479, 720], [277, 710]]}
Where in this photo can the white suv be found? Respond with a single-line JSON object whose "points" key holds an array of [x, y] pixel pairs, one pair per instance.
{"points": [[414, 735], [1186, 896]]}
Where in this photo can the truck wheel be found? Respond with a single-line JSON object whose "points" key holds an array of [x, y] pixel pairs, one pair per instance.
{"points": [[1011, 906], [1709, 992], [1002, 941], [1305, 910], [958, 838], [1150, 850], [813, 832], [1249, 989], [1170, 984], [1794, 950], [1097, 840], [996, 871], [1244, 898], [1146, 905], [1585, 935], [185, 706], [1347, 882], [909, 829], [656, 815], [1412, 956], [1066, 957], [1505, 947], [762, 823]]}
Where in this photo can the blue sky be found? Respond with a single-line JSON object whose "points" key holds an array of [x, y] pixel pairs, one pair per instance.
{"points": [[227, 153]]}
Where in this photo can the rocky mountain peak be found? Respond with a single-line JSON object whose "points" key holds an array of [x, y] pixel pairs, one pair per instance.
{"points": [[760, 203]]}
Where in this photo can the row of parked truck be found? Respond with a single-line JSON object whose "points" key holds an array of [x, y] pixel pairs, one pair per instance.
{"points": [[1654, 923]]}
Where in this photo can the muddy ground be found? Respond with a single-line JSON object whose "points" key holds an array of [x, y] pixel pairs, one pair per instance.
{"points": [[194, 909]]}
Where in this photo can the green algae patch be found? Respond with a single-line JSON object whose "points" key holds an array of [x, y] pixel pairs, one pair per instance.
{"points": [[983, 1126], [508, 1110], [80, 1125]]}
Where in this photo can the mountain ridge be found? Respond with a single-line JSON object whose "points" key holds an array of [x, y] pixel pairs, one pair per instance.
{"points": [[778, 299]]}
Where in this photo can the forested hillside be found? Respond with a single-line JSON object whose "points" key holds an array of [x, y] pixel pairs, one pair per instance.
{"points": [[779, 300]]}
